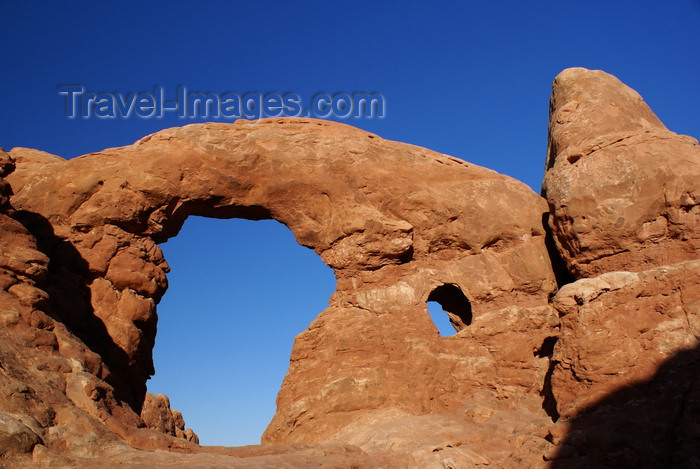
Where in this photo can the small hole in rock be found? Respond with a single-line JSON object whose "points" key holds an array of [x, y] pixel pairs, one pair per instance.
{"points": [[456, 311]]}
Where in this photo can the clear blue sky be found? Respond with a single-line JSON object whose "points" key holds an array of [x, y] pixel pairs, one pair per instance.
{"points": [[470, 79]]}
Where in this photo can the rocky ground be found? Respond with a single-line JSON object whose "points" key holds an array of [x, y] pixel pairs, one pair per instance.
{"points": [[578, 311]]}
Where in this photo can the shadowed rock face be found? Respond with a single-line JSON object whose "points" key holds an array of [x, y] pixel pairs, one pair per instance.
{"points": [[371, 383]]}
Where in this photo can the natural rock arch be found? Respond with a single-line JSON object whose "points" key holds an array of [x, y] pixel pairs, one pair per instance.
{"points": [[396, 222], [260, 289], [393, 220]]}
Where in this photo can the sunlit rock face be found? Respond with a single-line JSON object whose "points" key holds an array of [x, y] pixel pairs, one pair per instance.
{"points": [[371, 382], [624, 190], [625, 217]]}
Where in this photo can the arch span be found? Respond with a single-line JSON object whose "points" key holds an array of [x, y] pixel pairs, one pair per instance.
{"points": [[391, 219]]}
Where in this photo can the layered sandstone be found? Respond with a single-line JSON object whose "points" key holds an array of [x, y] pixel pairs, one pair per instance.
{"points": [[526, 380]]}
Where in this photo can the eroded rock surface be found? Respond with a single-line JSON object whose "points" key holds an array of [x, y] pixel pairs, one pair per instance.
{"points": [[619, 327], [627, 367], [397, 223], [624, 193], [157, 415], [624, 190], [524, 382]]}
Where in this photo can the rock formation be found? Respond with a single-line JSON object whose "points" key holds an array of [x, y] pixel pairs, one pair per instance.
{"points": [[623, 189], [371, 383], [625, 217]]}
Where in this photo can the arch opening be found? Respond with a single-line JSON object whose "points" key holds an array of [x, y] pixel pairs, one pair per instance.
{"points": [[456, 311], [240, 291]]}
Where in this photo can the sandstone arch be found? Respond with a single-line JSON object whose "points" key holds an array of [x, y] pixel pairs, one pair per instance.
{"points": [[393, 220], [239, 291]]}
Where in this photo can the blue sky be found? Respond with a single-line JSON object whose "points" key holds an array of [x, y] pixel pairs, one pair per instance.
{"points": [[470, 79]]}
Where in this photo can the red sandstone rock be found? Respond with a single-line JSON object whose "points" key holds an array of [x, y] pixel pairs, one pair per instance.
{"points": [[619, 327], [6, 167], [623, 189], [158, 415], [376, 211], [385, 228], [371, 383]]}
